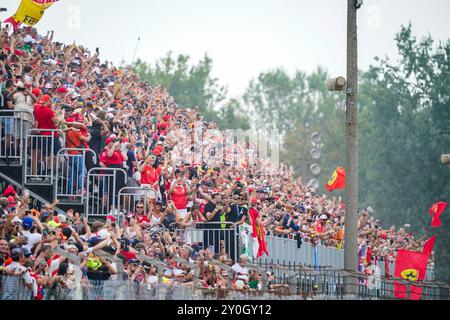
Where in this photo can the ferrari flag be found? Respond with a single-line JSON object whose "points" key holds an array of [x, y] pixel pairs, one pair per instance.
{"points": [[337, 180], [29, 12], [429, 245], [436, 211], [410, 266]]}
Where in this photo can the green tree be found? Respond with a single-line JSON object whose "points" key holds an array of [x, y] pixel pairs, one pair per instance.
{"points": [[404, 128], [193, 86], [299, 106]]}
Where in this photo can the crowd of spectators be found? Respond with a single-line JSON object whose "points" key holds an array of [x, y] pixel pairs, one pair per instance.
{"points": [[138, 127]]}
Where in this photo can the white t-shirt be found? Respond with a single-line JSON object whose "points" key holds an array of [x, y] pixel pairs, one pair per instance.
{"points": [[32, 239], [18, 268], [238, 269]]}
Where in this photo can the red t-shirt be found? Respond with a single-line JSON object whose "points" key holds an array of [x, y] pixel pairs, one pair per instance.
{"points": [[162, 127], [117, 158], [142, 219], [44, 115], [150, 175], [179, 197]]}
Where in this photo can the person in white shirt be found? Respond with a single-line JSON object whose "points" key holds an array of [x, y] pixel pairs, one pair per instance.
{"points": [[16, 267], [239, 267], [30, 225]]}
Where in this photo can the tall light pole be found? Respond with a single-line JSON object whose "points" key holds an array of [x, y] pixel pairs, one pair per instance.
{"points": [[351, 191]]}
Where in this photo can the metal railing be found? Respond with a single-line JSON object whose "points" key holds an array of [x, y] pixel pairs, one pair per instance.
{"points": [[130, 196], [14, 288], [41, 148], [13, 130], [103, 187], [306, 285], [212, 235], [71, 173]]}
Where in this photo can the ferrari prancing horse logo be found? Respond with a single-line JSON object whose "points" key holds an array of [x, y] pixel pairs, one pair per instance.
{"points": [[410, 274], [333, 178]]}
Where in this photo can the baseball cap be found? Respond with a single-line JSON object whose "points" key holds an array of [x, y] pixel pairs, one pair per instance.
{"points": [[36, 92], [45, 98], [53, 224], [16, 253], [110, 139], [62, 90], [27, 223]]}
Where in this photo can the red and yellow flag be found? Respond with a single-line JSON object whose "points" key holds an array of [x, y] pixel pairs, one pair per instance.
{"points": [[29, 12], [410, 266], [429, 245], [436, 211], [337, 180]]}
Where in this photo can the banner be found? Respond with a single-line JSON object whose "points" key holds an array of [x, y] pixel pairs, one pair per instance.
{"points": [[29, 12], [258, 233], [410, 266], [337, 180], [436, 211], [429, 245]]}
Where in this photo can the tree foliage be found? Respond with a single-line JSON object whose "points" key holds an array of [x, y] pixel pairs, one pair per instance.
{"points": [[404, 127], [194, 86]]}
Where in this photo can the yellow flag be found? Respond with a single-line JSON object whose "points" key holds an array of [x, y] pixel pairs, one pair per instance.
{"points": [[30, 12]]}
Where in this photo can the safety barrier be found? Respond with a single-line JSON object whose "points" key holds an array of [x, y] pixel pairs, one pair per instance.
{"points": [[285, 250], [130, 196], [212, 235], [70, 186], [14, 288], [103, 186], [306, 285], [41, 148], [13, 128]]}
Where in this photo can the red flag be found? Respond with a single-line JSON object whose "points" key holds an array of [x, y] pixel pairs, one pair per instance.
{"points": [[429, 245], [337, 180], [258, 232], [436, 211], [400, 290], [410, 266], [14, 23], [415, 293]]}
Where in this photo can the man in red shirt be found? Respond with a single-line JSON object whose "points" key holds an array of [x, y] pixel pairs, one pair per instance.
{"points": [[150, 173], [112, 157], [179, 190], [45, 118], [75, 139]]}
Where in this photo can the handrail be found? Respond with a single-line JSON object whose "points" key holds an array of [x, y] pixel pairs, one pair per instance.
{"points": [[32, 194]]}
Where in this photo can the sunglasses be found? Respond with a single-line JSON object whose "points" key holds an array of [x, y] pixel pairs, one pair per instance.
{"points": [[139, 207]]}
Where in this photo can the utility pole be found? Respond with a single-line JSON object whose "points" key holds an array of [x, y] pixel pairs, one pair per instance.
{"points": [[351, 191]]}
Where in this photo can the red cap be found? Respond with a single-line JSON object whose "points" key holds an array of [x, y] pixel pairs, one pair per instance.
{"points": [[166, 118], [254, 201], [56, 219], [9, 191], [157, 152], [36, 91], [80, 83], [44, 99], [62, 90], [111, 218]]}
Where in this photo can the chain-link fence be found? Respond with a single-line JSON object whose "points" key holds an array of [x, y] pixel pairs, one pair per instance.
{"points": [[300, 285], [14, 288]]}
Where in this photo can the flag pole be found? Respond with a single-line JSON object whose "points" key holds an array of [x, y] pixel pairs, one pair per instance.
{"points": [[135, 51]]}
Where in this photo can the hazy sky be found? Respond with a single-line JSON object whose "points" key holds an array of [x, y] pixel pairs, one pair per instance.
{"points": [[243, 37]]}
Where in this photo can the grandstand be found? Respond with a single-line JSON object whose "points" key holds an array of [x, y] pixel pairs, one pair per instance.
{"points": [[107, 163]]}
